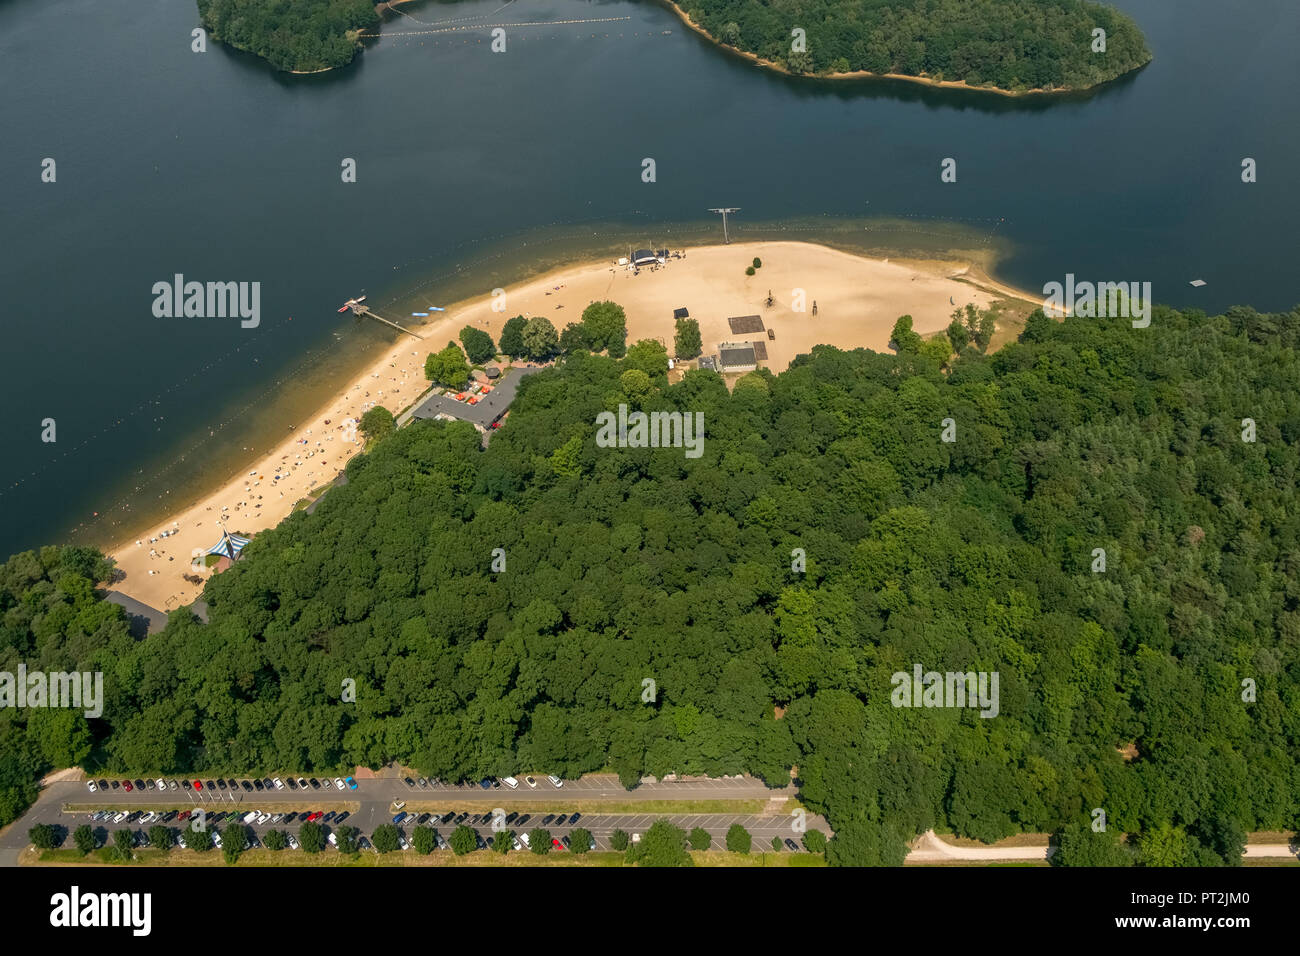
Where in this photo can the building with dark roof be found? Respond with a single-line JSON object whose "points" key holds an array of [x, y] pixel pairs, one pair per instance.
{"points": [[645, 257], [682, 313], [488, 409], [737, 357]]}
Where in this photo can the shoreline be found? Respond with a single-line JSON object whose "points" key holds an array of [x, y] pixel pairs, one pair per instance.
{"points": [[919, 79], [861, 297]]}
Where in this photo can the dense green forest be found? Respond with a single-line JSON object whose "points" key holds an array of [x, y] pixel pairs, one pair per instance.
{"points": [[301, 35], [1010, 44], [1120, 690]]}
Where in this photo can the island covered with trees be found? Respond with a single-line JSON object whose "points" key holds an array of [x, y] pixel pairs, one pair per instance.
{"points": [[1008, 45], [1112, 529], [302, 36]]}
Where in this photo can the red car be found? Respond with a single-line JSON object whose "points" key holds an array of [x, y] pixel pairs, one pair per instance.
{"points": [[198, 785], [184, 815], [126, 785], [315, 816], [557, 844]]}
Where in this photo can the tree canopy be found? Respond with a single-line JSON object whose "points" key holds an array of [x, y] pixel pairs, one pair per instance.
{"points": [[1012, 45]]}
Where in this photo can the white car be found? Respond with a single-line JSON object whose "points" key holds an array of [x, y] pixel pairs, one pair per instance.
{"points": [[216, 839], [149, 817], [121, 815], [162, 784], [293, 843], [250, 816], [279, 784], [262, 818], [555, 781], [180, 840], [338, 782], [515, 844], [527, 843], [172, 785], [334, 841], [531, 781], [401, 841], [302, 783], [277, 818], [510, 782], [90, 785]]}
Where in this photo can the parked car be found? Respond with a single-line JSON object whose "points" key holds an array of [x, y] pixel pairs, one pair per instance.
{"points": [[592, 844], [198, 784], [250, 817], [172, 785], [565, 840], [408, 781], [103, 784], [439, 842], [422, 819], [531, 781], [399, 819], [555, 781], [334, 840], [447, 817], [291, 783], [515, 844], [216, 839], [510, 782], [293, 842], [302, 783], [328, 817], [511, 817], [338, 782], [548, 819], [126, 785], [791, 845], [257, 785], [90, 785], [151, 784], [423, 782], [121, 815], [557, 844], [486, 783], [574, 818], [277, 817], [209, 784], [342, 816], [279, 784], [221, 783], [351, 784], [248, 787], [363, 844], [401, 842], [527, 841], [315, 784], [262, 818]]}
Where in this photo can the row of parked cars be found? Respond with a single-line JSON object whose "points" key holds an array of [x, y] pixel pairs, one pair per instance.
{"points": [[250, 818], [250, 786], [487, 783]]}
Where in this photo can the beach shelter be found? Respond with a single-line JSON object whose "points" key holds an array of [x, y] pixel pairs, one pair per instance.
{"points": [[229, 546]]}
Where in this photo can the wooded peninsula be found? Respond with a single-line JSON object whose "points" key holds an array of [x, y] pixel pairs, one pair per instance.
{"points": [[1084, 513]]}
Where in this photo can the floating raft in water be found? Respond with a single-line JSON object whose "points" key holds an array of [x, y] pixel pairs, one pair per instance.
{"points": [[419, 313], [1197, 283]]}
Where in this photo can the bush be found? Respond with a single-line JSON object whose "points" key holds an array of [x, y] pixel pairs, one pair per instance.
{"points": [[42, 836], [579, 841], [463, 840], [539, 841], [423, 839], [618, 840], [700, 839], [275, 840], [311, 837], [739, 839], [385, 838], [749, 271], [814, 841]]}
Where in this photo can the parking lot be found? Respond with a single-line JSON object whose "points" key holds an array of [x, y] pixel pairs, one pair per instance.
{"points": [[69, 804]]}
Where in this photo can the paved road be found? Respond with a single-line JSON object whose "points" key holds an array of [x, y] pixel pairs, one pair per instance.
{"points": [[928, 848]]}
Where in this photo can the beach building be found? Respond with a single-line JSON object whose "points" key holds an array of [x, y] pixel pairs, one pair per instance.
{"points": [[644, 257], [682, 313], [737, 357], [488, 409]]}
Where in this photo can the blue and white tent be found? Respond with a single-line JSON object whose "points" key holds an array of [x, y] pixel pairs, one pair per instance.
{"points": [[229, 546]]}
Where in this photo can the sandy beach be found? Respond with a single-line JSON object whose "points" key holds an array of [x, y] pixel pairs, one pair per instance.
{"points": [[857, 299]]}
